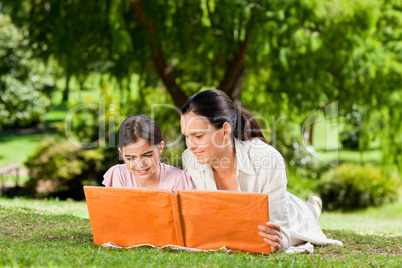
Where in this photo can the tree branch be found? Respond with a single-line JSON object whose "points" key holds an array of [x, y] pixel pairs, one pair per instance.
{"points": [[235, 92], [234, 67], [164, 71]]}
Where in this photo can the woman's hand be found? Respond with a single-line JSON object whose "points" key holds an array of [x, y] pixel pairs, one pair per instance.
{"points": [[272, 234]]}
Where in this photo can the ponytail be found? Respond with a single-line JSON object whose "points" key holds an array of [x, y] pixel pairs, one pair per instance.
{"points": [[247, 128]]}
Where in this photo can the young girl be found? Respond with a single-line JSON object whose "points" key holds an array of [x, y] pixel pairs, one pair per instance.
{"points": [[227, 151], [140, 144]]}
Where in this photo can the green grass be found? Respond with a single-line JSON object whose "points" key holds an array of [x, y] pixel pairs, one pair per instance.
{"points": [[385, 219], [15, 148], [56, 114], [58, 233], [55, 206]]}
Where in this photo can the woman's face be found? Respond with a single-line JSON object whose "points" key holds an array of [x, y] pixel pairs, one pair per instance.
{"points": [[142, 158], [202, 138]]}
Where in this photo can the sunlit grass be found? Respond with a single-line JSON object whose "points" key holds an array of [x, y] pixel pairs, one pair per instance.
{"points": [[14, 148], [70, 207]]}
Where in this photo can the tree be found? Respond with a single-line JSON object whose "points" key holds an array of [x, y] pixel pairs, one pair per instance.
{"points": [[287, 57], [189, 45], [22, 79], [344, 51]]}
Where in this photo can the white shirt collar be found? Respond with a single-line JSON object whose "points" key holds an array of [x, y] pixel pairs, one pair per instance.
{"points": [[243, 160]]}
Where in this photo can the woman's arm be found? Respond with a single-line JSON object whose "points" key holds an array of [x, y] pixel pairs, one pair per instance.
{"points": [[276, 232]]}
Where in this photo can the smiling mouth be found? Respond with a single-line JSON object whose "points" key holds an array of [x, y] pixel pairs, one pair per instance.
{"points": [[198, 153], [143, 172]]}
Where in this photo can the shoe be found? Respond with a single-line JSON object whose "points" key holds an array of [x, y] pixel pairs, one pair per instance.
{"points": [[316, 206]]}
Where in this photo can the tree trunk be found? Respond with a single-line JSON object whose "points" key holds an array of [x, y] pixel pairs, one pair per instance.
{"points": [[66, 91], [235, 92], [164, 71], [311, 134], [235, 72]]}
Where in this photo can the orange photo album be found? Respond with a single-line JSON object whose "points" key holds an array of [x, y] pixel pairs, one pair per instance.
{"points": [[197, 219]]}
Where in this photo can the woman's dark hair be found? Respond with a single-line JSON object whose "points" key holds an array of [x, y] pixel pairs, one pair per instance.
{"points": [[138, 126], [218, 108]]}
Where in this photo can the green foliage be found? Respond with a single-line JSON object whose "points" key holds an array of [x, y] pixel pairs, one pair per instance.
{"points": [[22, 79], [354, 128], [321, 51], [67, 166], [353, 186]]}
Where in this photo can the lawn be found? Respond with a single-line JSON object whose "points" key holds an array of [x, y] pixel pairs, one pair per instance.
{"points": [[58, 233], [15, 147]]}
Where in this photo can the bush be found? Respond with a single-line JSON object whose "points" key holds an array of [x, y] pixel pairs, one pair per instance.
{"points": [[22, 79], [300, 186], [64, 168], [353, 186]]}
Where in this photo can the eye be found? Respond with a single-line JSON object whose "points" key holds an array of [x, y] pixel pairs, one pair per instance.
{"points": [[148, 155], [130, 158], [199, 136]]}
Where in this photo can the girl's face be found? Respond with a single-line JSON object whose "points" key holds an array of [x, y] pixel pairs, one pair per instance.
{"points": [[142, 158], [203, 139]]}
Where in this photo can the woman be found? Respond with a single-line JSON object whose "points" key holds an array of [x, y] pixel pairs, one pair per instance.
{"points": [[227, 151], [140, 144]]}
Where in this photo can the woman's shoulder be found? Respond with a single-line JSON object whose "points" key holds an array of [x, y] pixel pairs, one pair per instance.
{"points": [[260, 152], [258, 147]]}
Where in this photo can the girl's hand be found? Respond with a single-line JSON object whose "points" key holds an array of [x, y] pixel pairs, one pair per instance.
{"points": [[272, 234]]}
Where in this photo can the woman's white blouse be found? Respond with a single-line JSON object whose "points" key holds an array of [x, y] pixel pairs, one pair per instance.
{"points": [[261, 169]]}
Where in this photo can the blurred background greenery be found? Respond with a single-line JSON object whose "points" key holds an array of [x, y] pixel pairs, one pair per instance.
{"points": [[324, 79]]}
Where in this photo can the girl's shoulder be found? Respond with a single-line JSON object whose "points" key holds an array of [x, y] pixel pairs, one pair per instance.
{"points": [[175, 178], [117, 168], [115, 176], [169, 171]]}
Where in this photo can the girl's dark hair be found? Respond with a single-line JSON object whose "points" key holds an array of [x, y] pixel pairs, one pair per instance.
{"points": [[138, 126], [218, 108]]}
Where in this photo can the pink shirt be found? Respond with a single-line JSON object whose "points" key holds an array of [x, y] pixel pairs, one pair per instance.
{"points": [[171, 178]]}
